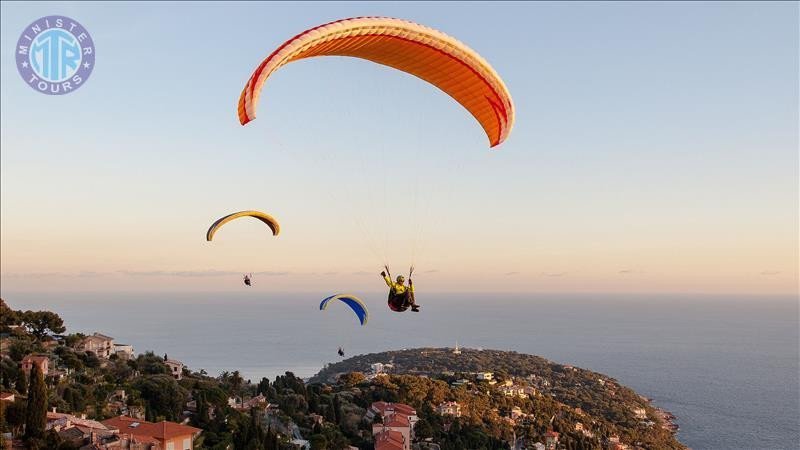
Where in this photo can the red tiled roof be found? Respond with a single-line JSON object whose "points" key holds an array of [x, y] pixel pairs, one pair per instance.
{"points": [[389, 440], [88, 423], [160, 430], [396, 420], [402, 408]]}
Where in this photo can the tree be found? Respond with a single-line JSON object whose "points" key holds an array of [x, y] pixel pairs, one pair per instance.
{"points": [[352, 378], [40, 322], [22, 382], [8, 316], [236, 381], [36, 411]]}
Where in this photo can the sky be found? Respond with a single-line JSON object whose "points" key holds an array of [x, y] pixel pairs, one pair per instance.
{"points": [[655, 150]]}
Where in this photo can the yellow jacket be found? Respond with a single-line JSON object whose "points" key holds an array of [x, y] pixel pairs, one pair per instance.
{"points": [[395, 287]]}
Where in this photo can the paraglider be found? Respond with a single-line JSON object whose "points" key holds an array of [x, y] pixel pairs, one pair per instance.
{"points": [[341, 352], [406, 46], [248, 279], [355, 303], [266, 218], [400, 295]]}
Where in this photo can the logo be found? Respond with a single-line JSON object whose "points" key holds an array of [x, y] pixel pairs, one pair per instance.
{"points": [[55, 55]]}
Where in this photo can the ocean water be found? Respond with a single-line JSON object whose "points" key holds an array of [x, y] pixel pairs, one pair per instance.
{"points": [[727, 367]]}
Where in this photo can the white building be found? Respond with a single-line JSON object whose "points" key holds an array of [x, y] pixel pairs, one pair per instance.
{"points": [[449, 409], [484, 376], [123, 351], [175, 368]]}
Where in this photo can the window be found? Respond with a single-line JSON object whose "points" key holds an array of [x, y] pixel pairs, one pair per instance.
{"points": [[187, 444], [170, 445]]}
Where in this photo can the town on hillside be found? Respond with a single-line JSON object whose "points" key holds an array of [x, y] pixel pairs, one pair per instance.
{"points": [[69, 391]]}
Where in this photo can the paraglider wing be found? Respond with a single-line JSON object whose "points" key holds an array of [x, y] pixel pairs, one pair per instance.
{"points": [[412, 48], [266, 218], [352, 301]]}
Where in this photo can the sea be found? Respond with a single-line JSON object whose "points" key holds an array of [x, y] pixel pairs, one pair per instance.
{"points": [[726, 366]]}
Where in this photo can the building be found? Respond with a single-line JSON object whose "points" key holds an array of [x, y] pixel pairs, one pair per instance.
{"points": [[639, 413], [238, 403], [385, 409], [377, 368], [516, 413], [390, 440], [99, 344], [396, 427], [456, 351], [43, 362], [513, 391], [484, 376], [123, 351], [396, 423], [175, 368], [167, 435], [449, 409], [7, 397], [300, 444], [60, 421], [551, 440]]}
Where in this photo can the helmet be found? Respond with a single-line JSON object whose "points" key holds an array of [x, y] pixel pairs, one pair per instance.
{"points": [[400, 279]]}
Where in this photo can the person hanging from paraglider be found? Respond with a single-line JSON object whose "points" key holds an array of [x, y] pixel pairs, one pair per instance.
{"points": [[341, 352], [247, 279], [400, 295]]}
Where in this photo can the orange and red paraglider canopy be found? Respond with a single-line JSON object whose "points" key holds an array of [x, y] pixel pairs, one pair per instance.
{"points": [[412, 48]]}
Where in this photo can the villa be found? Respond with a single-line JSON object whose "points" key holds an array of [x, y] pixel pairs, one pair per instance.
{"points": [[166, 435], [175, 368], [99, 344], [43, 362]]}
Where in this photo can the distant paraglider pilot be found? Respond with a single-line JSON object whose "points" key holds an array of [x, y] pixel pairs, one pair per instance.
{"points": [[400, 295], [341, 352], [247, 281]]}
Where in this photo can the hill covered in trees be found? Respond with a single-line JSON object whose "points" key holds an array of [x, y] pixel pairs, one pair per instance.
{"points": [[462, 400], [589, 409]]}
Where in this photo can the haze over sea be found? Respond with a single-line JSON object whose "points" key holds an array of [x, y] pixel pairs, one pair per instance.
{"points": [[727, 367]]}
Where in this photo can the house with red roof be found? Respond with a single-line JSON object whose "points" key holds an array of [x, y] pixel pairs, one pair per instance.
{"points": [[396, 427], [167, 435], [390, 440]]}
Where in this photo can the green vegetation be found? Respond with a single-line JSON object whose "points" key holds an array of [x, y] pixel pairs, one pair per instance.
{"points": [[587, 409]]}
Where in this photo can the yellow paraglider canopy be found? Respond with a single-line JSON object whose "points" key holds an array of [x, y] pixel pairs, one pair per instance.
{"points": [[266, 218]]}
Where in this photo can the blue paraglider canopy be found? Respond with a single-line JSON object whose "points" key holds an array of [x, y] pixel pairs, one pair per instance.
{"points": [[352, 301]]}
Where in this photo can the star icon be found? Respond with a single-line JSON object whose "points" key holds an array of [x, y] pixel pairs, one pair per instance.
{"points": [[25, 64], [86, 65]]}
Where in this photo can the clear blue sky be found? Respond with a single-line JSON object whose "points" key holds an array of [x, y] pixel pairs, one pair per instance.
{"points": [[655, 149]]}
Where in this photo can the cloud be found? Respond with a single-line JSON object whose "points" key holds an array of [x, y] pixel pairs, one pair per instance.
{"points": [[36, 274], [553, 274], [630, 272], [361, 272], [511, 273], [91, 274], [193, 273], [768, 273], [432, 271], [331, 273]]}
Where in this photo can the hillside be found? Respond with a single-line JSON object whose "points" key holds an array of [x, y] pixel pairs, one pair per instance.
{"points": [[586, 405]]}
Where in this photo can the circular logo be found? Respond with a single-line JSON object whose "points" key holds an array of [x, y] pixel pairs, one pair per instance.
{"points": [[55, 55]]}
